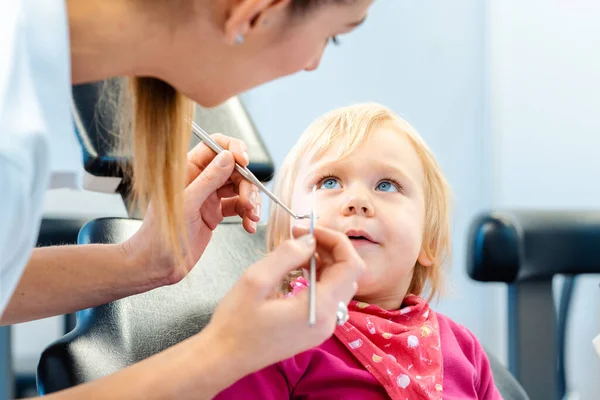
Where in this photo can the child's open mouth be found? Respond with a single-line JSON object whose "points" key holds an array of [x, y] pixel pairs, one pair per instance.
{"points": [[360, 238]]}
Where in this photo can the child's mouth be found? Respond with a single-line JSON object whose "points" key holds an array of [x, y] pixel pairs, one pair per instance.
{"points": [[360, 238], [360, 241]]}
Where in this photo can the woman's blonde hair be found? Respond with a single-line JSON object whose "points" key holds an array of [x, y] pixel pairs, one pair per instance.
{"points": [[153, 123], [347, 128]]}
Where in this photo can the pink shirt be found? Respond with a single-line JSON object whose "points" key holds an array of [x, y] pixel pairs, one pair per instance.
{"points": [[330, 371]]}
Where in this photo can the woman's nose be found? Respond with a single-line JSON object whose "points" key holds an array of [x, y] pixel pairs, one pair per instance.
{"points": [[314, 64]]}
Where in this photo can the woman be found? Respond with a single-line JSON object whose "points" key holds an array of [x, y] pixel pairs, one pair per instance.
{"points": [[203, 50]]}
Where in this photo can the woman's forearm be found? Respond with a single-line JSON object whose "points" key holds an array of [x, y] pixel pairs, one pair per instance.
{"points": [[64, 279], [198, 368]]}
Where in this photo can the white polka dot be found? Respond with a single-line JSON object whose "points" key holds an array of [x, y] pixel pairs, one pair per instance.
{"points": [[405, 310], [413, 341], [392, 357], [403, 381], [356, 344]]}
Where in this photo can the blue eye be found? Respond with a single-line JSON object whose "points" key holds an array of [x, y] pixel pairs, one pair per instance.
{"points": [[330, 183], [387, 186]]}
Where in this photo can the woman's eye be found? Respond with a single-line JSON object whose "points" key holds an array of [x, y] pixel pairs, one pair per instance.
{"points": [[330, 183], [334, 40], [387, 186]]}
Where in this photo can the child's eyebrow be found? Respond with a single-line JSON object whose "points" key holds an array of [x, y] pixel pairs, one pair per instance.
{"points": [[393, 169]]}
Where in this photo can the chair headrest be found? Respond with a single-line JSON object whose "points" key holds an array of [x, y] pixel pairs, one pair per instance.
{"points": [[113, 336], [512, 246], [101, 160]]}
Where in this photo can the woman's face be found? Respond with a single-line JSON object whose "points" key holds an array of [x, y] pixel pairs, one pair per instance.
{"points": [[277, 42]]}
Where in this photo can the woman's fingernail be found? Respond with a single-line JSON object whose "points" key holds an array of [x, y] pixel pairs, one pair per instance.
{"points": [[299, 226], [253, 198], [246, 157], [307, 240], [223, 159], [253, 224], [257, 210]]}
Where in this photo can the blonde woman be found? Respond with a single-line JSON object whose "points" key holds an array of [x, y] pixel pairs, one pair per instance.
{"points": [[171, 52]]}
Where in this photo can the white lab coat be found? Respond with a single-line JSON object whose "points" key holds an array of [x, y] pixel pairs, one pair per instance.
{"points": [[38, 146]]}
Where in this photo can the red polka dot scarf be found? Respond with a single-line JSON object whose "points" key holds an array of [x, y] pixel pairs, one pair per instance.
{"points": [[400, 348]]}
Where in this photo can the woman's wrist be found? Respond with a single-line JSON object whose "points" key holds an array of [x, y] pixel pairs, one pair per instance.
{"points": [[138, 267]]}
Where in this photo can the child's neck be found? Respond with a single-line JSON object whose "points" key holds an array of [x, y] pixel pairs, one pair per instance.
{"points": [[390, 303]]}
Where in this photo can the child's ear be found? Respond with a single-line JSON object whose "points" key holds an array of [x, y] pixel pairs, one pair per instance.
{"points": [[424, 259]]}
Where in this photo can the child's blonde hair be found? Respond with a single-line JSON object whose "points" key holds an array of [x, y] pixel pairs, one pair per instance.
{"points": [[348, 128]]}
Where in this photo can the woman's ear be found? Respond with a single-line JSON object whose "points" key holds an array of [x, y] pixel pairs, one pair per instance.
{"points": [[424, 259], [245, 15]]}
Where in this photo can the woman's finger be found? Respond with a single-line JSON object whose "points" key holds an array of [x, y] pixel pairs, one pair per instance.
{"points": [[227, 191], [211, 211], [248, 194], [210, 180], [249, 225], [260, 278], [232, 206], [339, 275], [201, 155], [334, 242]]}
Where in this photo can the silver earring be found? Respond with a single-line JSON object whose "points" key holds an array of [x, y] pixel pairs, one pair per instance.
{"points": [[239, 39]]}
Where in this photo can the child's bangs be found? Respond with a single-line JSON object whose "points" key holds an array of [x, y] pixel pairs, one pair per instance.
{"points": [[342, 132]]}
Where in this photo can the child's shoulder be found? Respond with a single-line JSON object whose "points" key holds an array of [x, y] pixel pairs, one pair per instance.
{"points": [[467, 368], [457, 337], [451, 327]]}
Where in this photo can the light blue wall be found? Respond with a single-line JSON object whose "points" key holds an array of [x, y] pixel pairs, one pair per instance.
{"points": [[545, 102]]}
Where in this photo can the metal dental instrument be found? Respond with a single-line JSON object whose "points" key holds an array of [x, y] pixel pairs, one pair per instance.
{"points": [[245, 172], [313, 267]]}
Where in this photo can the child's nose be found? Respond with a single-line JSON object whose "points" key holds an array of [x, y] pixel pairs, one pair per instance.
{"points": [[358, 206]]}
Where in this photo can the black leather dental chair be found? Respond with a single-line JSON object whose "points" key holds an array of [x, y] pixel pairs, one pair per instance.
{"points": [[102, 173], [113, 336], [526, 250]]}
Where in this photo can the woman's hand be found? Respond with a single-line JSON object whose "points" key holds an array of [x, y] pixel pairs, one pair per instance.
{"points": [[214, 191], [253, 329]]}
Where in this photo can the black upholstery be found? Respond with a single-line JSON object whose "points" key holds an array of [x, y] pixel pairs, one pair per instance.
{"points": [[110, 337], [511, 246], [113, 336], [507, 385], [95, 129], [527, 249], [59, 231]]}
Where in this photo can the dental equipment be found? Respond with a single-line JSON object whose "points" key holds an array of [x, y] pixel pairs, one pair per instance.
{"points": [[245, 172], [313, 267]]}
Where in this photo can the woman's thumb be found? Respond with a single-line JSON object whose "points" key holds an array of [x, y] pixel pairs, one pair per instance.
{"points": [[270, 271], [214, 176]]}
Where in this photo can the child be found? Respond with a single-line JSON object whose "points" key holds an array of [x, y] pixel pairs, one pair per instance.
{"points": [[377, 182]]}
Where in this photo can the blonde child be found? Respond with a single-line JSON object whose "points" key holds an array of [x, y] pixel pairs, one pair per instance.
{"points": [[378, 182]]}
